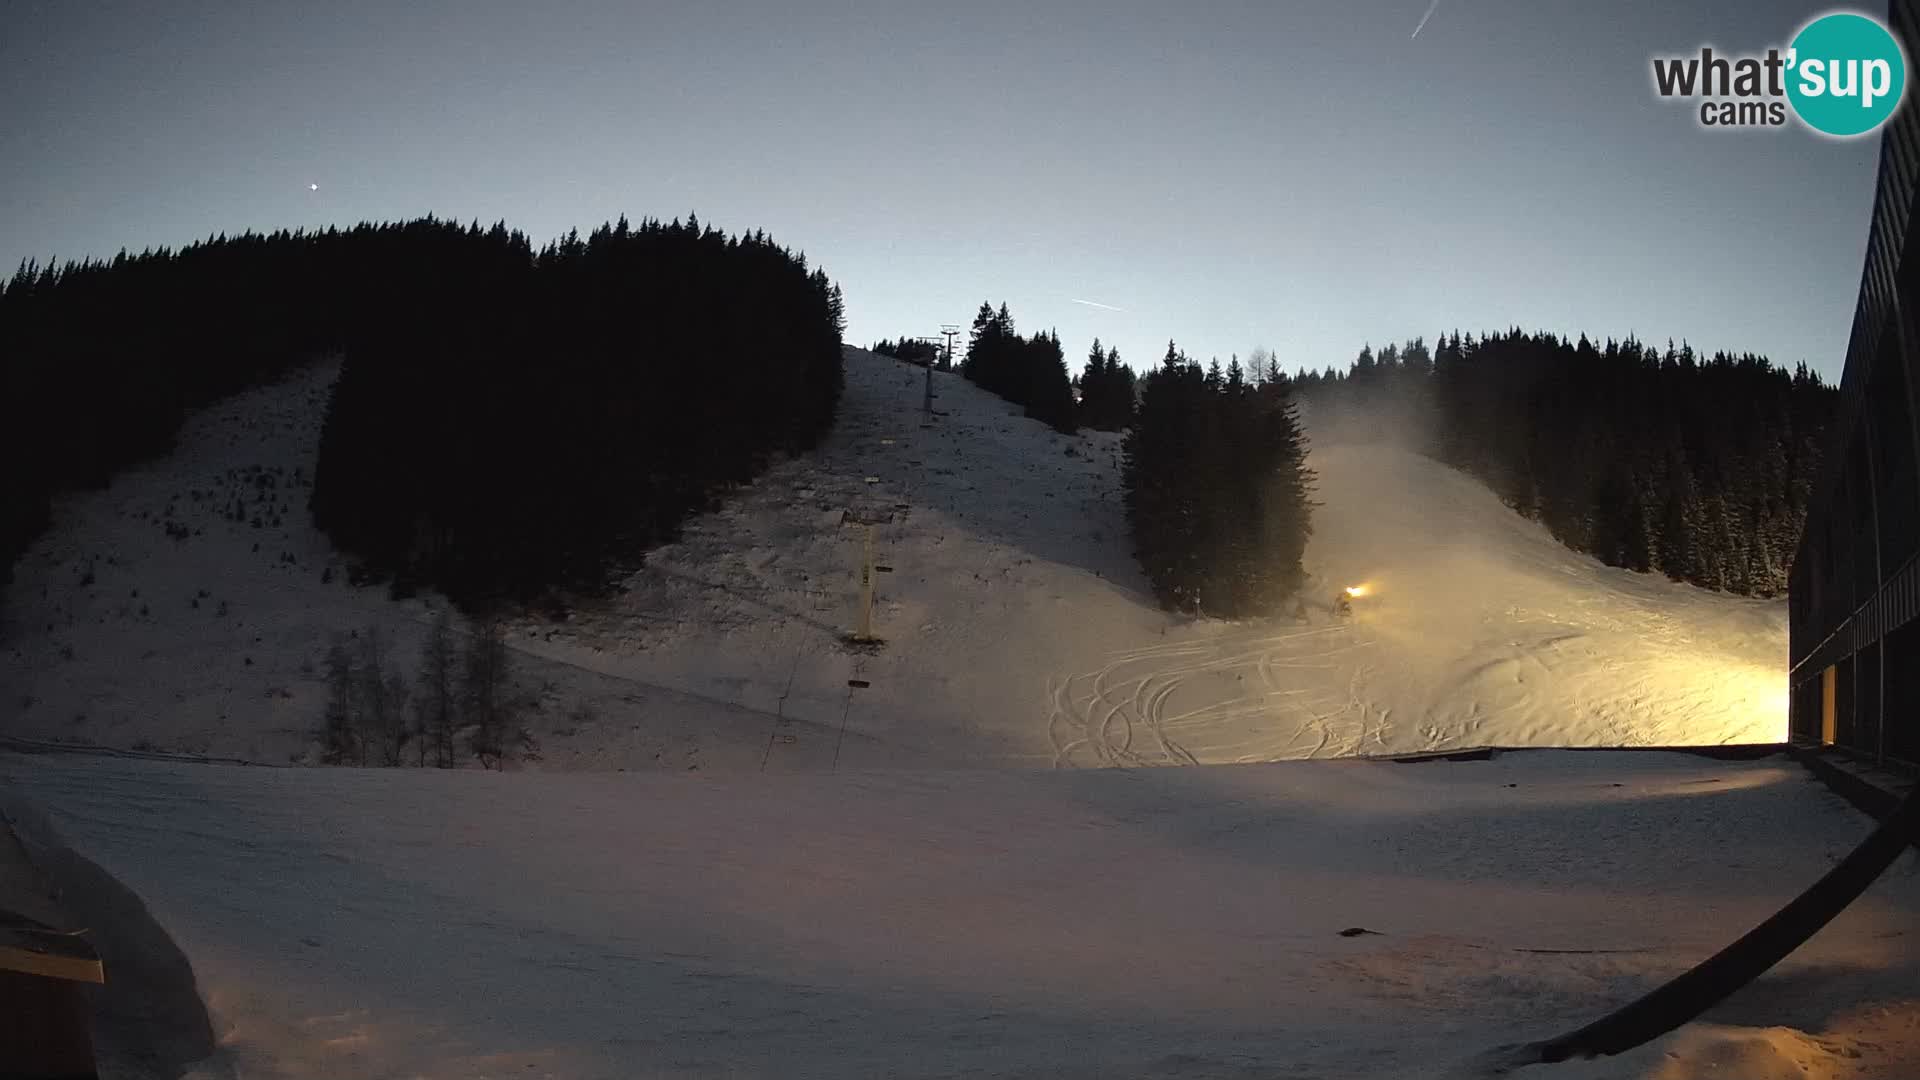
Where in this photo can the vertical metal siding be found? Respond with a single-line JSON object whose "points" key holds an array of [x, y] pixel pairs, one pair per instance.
{"points": [[1832, 625]]}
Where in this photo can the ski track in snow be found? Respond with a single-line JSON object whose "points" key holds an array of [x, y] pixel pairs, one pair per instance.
{"points": [[941, 921], [1477, 630], [1095, 716], [1018, 629]]}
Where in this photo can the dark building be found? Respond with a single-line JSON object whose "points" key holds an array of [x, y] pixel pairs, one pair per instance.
{"points": [[1855, 590]]}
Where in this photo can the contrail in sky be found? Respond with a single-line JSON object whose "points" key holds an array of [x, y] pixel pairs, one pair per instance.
{"points": [[1431, 8], [1096, 304]]}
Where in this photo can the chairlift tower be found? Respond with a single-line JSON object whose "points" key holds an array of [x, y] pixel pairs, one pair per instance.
{"points": [[949, 330]]}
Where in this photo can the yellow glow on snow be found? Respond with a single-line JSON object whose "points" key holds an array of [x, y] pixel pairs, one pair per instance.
{"points": [[1765, 691]]}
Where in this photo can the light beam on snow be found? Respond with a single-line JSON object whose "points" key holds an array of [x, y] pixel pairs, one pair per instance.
{"points": [[1431, 8], [1097, 304]]}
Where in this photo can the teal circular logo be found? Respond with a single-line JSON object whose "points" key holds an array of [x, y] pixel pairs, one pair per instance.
{"points": [[1845, 74]]}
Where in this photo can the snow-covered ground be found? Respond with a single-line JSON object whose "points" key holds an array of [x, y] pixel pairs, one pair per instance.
{"points": [[1017, 627], [1088, 924], [917, 914]]}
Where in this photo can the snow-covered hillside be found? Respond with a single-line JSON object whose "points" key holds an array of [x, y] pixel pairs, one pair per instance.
{"points": [[1170, 923], [1017, 627], [911, 918]]}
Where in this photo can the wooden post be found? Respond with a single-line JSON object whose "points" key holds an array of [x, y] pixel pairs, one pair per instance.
{"points": [[1829, 719]]}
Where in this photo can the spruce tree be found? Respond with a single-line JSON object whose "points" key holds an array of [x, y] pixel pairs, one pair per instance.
{"points": [[1030, 372], [1217, 489], [1700, 467], [1094, 388], [1124, 390]]}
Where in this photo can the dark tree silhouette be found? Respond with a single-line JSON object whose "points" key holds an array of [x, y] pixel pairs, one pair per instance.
{"points": [[1030, 372], [505, 422], [101, 359], [1218, 491], [599, 394], [1107, 391], [1650, 459], [912, 350]]}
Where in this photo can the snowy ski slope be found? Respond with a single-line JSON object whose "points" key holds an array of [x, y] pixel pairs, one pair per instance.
{"points": [[1017, 627], [918, 915], [1173, 923]]}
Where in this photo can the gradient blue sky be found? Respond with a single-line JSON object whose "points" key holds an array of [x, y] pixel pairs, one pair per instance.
{"points": [[1299, 175]]}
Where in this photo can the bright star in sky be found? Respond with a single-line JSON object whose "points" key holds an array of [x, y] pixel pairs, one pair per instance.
{"points": [[313, 187]]}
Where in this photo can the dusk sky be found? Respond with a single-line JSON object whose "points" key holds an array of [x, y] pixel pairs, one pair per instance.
{"points": [[1300, 175]]}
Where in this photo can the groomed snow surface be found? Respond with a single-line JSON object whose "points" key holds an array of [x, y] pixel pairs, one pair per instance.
{"points": [[1086, 924], [1018, 630], [818, 879]]}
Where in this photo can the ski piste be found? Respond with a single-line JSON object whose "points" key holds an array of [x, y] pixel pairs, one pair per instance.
{"points": [[1725, 972]]}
